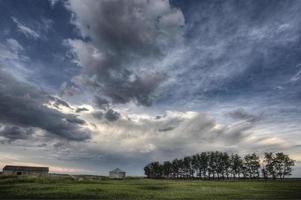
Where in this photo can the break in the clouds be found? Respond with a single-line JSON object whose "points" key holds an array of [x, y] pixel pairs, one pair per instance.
{"points": [[98, 84]]}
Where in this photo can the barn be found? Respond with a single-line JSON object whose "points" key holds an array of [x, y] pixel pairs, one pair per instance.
{"points": [[25, 170], [117, 173]]}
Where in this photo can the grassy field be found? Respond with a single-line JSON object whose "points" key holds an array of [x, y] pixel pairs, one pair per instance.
{"points": [[64, 188]]}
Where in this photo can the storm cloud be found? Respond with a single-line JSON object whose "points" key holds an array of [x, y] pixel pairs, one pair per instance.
{"points": [[125, 37], [12, 133], [24, 105]]}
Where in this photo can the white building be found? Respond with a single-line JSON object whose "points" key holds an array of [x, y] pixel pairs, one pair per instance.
{"points": [[117, 173]]}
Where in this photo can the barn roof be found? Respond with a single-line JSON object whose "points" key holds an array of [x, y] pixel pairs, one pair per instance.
{"points": [[117, 170], [26, 168]]}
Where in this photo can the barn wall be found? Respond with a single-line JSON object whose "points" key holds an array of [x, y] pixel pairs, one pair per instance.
{"points": [[117, 175], [15, 172]]}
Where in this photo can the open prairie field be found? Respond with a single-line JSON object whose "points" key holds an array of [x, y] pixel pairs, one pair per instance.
{"points": [[65, 188]]}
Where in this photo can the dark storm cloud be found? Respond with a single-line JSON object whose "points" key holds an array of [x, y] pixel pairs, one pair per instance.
{"points": [[83, 109], [13, 133], [112, 115], [124, 34], [101, 102], [23, 105], [74, 119], [58, 102], [139, 90]]}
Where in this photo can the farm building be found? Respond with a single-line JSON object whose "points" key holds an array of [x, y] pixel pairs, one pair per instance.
{"points": [[117, 173], [25, 170]]}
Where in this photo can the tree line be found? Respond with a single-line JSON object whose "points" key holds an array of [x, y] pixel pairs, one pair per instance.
{"points": [[221, 165]]}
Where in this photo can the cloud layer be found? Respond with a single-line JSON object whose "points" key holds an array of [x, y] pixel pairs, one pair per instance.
{"points": [[123, 40], [25, 106]]}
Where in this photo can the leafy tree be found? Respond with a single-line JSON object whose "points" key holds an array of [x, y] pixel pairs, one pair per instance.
{"points": [[167, 169], [269, 159], [175, 168], [204, 159], [252, 165], [195, 164], [187, 167], [283, 165], [236, 165], [153, 170], [226, 165], [148, 171], [264, 172], [212, 164], [216, 164], [288, 166]]}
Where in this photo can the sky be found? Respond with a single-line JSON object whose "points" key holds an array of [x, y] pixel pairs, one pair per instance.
{"points": [[88, 86]]}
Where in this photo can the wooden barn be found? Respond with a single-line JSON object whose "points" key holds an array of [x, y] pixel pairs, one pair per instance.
{"points": [[25, 170], [117, 173]]}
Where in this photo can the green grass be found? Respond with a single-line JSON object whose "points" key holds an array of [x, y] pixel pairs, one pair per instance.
{"points": [[66, 188]]}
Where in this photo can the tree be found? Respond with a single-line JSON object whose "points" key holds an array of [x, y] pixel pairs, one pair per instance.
{"points": [[195, 164], [264, 172], [175, 168], [167, 169], [216, 164], [282, 165], [288, 164], [236, 165], [148, 171], [181, 168], [252, 165], [269, 164], [153, 170], [204, 159], [187, 167], [226, 164], [219, 164], [212, 164]]}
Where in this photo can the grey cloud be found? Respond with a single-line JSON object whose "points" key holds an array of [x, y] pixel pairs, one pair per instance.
{"points": [[186, 131], [165, 129], [98, 114], [125, 37], [13, 133], [101, 102], [138, 90], [175, 134], [24, 105], [129, 28], [57, 102], [76, 120], [242, 114], [78, 110], [112, 115]]}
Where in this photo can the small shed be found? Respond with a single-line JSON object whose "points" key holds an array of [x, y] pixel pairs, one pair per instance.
{"points": [[25, 170], [117, 173]]}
